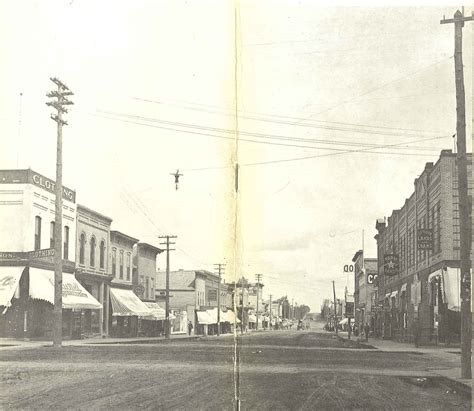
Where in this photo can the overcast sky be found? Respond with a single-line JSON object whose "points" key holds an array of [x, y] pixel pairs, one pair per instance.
{"points": [[338, 110]]}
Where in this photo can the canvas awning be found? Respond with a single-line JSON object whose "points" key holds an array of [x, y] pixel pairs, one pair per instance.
{"points": [[157, 313], [403, 288], [9, 279], [393, 294], [125, 303], [231, 317], [75, 296], [452, 288], [204, 318], [213, 314], [252, 318]]}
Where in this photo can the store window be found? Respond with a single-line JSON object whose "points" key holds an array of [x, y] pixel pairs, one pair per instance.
{"points": [[129, 266], [37, 232]]}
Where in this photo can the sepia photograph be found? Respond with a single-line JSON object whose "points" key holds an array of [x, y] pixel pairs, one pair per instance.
{"points": [[236, 205]]}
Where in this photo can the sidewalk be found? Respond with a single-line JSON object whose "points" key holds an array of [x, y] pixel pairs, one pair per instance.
{"points": [[449, 355]]}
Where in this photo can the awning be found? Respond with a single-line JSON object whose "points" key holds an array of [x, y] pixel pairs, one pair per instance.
{"points": [[435, 274], [252, 318], [343, 321], [75, 296], [157, 313], [213, 314], [452, 288], [9, 279], [126, 303], [230, 317], [403, 288], [393, 294], [204, 318]]}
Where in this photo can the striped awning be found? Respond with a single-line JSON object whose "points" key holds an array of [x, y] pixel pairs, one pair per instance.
{"points": [[126, 303], [9, 279]]}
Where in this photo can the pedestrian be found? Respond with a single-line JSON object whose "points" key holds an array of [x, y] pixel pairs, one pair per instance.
{"points": [[190, 327], [366, 331]]}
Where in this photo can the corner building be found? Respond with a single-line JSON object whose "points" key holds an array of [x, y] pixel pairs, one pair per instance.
{"points": [[416, 282]]}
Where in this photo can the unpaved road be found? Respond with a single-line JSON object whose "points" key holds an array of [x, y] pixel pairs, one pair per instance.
{"points": [[277, 370]]}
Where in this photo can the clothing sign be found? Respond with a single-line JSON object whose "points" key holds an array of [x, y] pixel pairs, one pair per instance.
{"points": [[390, 264], [424, 239]]}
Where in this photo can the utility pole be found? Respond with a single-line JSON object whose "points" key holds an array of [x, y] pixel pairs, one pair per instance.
{"points": [[167, 307], [60, 100], [464, 206], [271, 295], [220, 268], [258, 278], [335, 307]]}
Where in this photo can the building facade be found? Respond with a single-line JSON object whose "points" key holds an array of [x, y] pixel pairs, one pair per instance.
{"points": [[418, 253], [144, 270], [27, 222], [93, 268], [365, 289]]}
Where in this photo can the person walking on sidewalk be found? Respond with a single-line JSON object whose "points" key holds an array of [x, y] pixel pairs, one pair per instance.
{"points": [[366, 331], [190, 327]]}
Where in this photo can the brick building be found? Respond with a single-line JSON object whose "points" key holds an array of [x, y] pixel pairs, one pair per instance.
{"points": [[418, 252], [365, 290]]}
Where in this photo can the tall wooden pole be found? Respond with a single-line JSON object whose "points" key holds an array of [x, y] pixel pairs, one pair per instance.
{"points": [[61, 100], [464, 218], [335, 307], [167, 297]]}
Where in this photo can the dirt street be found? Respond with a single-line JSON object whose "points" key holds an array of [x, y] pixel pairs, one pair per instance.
{"points": [[276, 370]]}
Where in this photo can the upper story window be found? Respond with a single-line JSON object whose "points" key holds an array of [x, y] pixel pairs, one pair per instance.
{"points": [[82, 248], [92, 252], [129, 266], [51, 234], [147, 282], [66, 243], [37, 232], [102, 254], [114, 262], [121, 264]]}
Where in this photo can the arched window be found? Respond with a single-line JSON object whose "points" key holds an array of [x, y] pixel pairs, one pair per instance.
{"points": [[92, 250], [66, 243], [51, 234], [129, 265], [114, 262], [37, 232], [102, 254], [121, 265], [82, 248]]}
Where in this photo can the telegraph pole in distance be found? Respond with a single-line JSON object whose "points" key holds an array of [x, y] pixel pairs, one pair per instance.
{"points": [[465, 221], [60, 100], [258, 277], [220, 268], [335, 307], [168, 249]]}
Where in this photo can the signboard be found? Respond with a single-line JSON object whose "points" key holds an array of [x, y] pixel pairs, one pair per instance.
{"points": [[371, 278], [349, 309], [26, 255], [424, 239], [139, 289], [349, 268], [390, 264], [212, 295]]}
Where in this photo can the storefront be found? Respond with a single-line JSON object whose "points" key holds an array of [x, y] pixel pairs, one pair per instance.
{"points": [[126, 308], [27, 297], [204, 322]]}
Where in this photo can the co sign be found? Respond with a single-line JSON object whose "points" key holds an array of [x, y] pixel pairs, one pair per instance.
{"points": [[371, 278], [348, 268]]}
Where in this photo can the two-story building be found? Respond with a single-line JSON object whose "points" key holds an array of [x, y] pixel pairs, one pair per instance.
{"points": [[365, 289], [27, 247], [93, 268]]}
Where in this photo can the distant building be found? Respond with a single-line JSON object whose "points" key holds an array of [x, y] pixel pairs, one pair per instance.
{"points": [[365, 289], [418, 250], [144, 274]]}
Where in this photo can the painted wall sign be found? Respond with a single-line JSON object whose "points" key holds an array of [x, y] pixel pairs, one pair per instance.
{"points": [[349, 268], [371, 278], [424, 239]]}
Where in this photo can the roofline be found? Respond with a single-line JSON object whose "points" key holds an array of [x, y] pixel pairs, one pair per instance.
{"points": [[152, 247], [90, 210], [127, 237]]}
